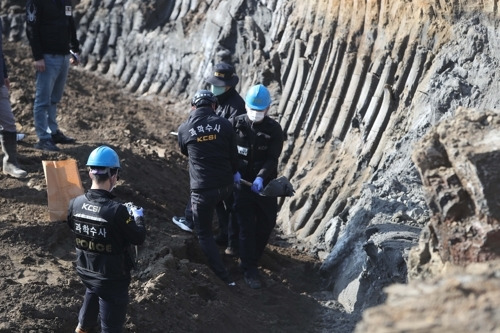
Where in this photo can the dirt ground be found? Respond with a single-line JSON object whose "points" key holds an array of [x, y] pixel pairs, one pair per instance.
{"points": [[173, 290]]}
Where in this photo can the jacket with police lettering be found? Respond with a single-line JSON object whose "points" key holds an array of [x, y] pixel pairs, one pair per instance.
{"points": [[209, 142], [259, 147], [231, 105], [104, 231], [50, 27]]}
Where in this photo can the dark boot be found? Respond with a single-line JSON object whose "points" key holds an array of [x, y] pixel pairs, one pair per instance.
{"points": [[9, 147]]}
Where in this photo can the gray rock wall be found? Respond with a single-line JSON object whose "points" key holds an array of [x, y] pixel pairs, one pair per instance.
{"points": [[457, 161], [354, 85]]}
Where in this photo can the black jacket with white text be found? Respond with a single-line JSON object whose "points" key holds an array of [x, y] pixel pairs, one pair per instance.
{"points": [[104, 231], [209, 142]]}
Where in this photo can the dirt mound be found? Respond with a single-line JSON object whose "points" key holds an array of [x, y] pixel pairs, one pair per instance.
{"points": [[173, 289]]}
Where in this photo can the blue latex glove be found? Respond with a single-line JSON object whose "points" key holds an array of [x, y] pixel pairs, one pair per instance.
{"points": [[237, 177], [258, 185], [137, 212]]}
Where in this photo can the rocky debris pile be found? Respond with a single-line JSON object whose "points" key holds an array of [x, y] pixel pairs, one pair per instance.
{"points": [[458, 162], [462, 299], [455, 267]]}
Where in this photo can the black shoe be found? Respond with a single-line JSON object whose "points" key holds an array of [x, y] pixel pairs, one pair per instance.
{"points": [[46, 144], [253, 281], [221, 239], [59, 137], [229, 281]]}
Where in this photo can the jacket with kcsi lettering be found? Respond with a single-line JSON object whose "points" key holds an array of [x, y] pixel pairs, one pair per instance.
{"points": [[209, 142], [259, 147], [104, 231]]}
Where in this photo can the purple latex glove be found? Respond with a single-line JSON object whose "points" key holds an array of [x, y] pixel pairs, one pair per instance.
{"points": [[237, 178]]}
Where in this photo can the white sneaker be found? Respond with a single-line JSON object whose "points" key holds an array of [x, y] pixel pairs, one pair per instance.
{"points": [[20, 136], [182, 223]]}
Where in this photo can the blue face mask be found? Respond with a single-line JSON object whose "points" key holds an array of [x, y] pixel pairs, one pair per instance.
{"points": [[218, 90]]}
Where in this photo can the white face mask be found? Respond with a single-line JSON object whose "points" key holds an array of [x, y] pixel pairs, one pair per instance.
{"points": [[255, 116], [218, 90]]}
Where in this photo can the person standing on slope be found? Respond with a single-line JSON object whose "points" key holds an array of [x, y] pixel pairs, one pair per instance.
{"points": [[104, 230], [260, 142], [231, 104], [209, 143], [51, 32], [223, 83], [8, 134]]}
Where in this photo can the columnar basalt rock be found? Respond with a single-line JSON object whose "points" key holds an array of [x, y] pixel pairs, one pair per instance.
{"points": [[354, 84]]}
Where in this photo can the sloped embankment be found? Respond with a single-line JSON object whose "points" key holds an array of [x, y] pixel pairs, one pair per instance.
{"points": [[355, 84]]}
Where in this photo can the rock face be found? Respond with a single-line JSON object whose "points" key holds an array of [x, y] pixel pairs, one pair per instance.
{"points": [[355, 84], [458, 164], [459, 300], [454, 267]]}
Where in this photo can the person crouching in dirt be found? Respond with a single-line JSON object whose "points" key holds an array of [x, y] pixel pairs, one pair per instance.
{"points": [[260, 142], [104, 230], [209, 143], [8, 135]]}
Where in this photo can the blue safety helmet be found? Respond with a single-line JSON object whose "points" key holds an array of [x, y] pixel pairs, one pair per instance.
{"points": [[258, 98], [103, 157], [203, 97]]}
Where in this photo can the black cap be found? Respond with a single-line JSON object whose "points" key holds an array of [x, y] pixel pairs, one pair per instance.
{"points": [[223, 75]]}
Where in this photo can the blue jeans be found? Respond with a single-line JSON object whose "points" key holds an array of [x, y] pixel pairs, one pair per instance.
{"points": [[203, 203], [110, 304], [49, 91]]}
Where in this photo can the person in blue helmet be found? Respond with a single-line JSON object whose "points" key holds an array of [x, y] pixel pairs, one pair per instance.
{"points": [[104, 230], [209, 143], [259, 141]]}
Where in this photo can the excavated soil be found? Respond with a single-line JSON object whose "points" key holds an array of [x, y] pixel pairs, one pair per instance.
{"points": [[172, 290]]}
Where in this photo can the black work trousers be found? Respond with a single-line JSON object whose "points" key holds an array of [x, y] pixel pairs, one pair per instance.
{"points": [[203, 203], [228, 225], [256, 216]]}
